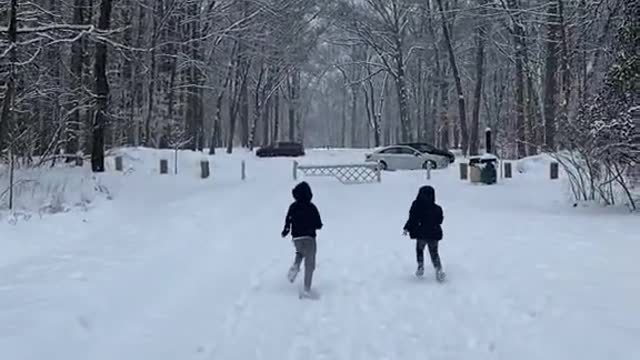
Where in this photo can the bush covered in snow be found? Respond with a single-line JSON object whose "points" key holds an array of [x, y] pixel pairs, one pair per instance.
{"points": [[602, 141], [49, 189]]}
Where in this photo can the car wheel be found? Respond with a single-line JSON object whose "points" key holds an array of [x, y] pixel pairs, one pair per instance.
{"points": [[429, 163], [383, 165]]}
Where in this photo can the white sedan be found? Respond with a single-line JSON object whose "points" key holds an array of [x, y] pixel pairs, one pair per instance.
{"points": [[400, 157]]}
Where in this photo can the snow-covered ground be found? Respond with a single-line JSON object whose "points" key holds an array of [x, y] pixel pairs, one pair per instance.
{"points": [[175, 267]]}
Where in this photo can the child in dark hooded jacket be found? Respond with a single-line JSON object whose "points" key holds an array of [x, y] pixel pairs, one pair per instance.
{"points": [[302, 221], [424, 225]]}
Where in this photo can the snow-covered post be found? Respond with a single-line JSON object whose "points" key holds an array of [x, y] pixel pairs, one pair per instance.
{"points": [[119, 166], [243, 170], [204, 169], [164, 166], [507, 170], [428, 170], [378, 173], [464, 171], [295, 170], [553, 170]]}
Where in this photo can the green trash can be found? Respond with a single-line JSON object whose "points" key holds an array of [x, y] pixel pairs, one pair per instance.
{"points": [[488, 174], [487, 165]]}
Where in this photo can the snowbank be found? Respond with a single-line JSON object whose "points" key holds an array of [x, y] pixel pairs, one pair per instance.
{"points": [[50, 190], [536, 164]]}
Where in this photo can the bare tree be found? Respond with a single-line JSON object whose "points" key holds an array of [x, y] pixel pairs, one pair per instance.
{"points": [[102, 91]]}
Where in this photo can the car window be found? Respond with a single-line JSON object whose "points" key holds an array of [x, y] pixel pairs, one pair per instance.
{"points": [[406, 151], [424, 148], [389, 151]]}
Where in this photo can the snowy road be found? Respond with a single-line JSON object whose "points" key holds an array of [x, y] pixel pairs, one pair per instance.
{"points": [[198, 272]]}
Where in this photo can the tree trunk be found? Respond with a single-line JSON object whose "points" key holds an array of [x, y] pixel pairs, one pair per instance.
{"points": [[550, 72], [257, 105], [266, 117], [102, 91], [427, 120], [354, 114], [217, 122], [242, 66], [244, 114], [7, 113], [477, 94], [445, 141], [372, 114], [535, 119], [462, 111], [77, 70], [152, 79], [343, 133], [276, 116], [566, 66], [519, 48], [294, 89], [403, 99], [171, 98]]}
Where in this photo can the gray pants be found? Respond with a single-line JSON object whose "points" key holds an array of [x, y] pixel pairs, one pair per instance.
{"points": [[306, 249]]}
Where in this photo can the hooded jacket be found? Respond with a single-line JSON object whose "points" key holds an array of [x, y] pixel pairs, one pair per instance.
{"points": [[425, 216], [303, 218]]}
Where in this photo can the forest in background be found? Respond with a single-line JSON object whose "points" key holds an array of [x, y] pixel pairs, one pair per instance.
{"points": [[84, 76]]}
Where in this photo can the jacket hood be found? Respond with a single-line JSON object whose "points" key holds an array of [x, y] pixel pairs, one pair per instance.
{"points": [[427, 194], [302, 192]]}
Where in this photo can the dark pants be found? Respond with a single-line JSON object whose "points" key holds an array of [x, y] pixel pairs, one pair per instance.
{"points": [[433, 251], [306, 249]]}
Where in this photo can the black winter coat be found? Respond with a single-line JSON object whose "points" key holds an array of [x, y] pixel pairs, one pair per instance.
{"points": [[303, 218], [425, 216]]}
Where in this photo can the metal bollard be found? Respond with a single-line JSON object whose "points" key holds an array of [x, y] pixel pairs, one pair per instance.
{"points": [[204, 169], [507, 170], [554, 171], [464, 171], [119, 166], [164, 166]]}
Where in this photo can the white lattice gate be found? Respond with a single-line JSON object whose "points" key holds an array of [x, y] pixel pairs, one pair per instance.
{"points": [[346, 174]]}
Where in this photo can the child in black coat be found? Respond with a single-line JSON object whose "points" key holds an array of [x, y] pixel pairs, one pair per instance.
{"points": [[302, 221], [424, 225]]}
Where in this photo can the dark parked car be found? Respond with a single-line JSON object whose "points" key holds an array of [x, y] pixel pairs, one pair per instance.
{"points": [[281, 149], [430, 149]]}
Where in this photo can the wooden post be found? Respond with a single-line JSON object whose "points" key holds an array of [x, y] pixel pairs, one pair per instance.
{"points": [[554, 170], [204, 169], [164, 166], [295, 170], [11, 176], [175, 161], [428, 170], [507, 170], [79, 160], [119, 166], [243, 170], [378, 173], [464, 171]]}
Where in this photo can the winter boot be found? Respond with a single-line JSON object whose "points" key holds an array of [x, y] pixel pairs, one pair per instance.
{"points": [[308, 294], [293, 272], [440, 275], [420, 270]]}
